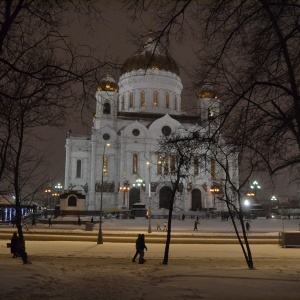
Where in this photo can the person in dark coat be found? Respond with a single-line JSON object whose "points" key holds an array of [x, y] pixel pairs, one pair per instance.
{"points": [[50, 222], [196, 225], [137, 245], [14, 245], [142, 247], [247, 227]]}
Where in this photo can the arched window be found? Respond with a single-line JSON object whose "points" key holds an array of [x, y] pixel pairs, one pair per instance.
{"points": [[165, 197], [159, 165], [106, 108], [172, 165], [78, 169], [134, 164], [131, 100], [143, 99], [105, 166], [155, 98], [166, 165], [167, 99], [72, 201]]}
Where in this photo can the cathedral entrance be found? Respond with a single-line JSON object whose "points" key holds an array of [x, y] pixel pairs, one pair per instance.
{"points": [[196, 200], [165, 197], [134, 196]]}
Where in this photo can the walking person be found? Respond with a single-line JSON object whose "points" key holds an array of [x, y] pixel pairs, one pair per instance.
{"points": [[165, 226], [137, 247], [247, 227], [158, 226], [142, 247], [14, 245], [49, 222], [196, 225], [79, 221]]}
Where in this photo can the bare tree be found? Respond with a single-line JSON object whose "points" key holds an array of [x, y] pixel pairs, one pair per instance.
{"points": [[250, 49], [42, 78], [232, 187], [181, 150]]}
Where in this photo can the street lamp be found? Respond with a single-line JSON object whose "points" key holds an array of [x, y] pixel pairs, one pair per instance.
{"points": [[55, 196], [125, 189], [48, 192], [149, 197], [255, 186], [100, 236], [58, 187], [140, 184], [215, 190], [273, 198]]}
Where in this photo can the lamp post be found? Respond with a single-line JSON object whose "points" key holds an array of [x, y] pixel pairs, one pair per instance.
{"points": [[100, 236], [273, 200], [149, 197], [57, 193], [215, 190], [255, 187], [140, 184], [125, 189], [48, 192]]}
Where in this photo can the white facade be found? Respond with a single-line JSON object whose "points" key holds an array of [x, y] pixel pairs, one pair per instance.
{"points": [[131, 117]]}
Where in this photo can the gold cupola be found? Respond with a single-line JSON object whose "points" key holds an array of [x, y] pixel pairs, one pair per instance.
{"points": [[150, 57], [207, 91], [107, 83]]}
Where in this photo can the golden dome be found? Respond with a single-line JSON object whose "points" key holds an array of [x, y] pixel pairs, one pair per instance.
{"points": [[207, 91], [150, 58], [107, 83]]}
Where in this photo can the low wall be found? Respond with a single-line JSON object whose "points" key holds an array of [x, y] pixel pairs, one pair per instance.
{"points": [[289, 239]]}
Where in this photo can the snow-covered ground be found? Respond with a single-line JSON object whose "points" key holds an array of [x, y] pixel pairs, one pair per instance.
{"points": [[85, 270]]}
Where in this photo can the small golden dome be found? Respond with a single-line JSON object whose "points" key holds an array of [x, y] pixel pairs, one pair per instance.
{"points": [[107, 83], [207, 91]]}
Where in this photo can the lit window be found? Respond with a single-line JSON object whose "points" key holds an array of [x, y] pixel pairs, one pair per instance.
{"points": [[167, 99], [134, 163], [155, 98], [143, 98], [159, 165], [166, 165], [105, 166], [172, 164]]}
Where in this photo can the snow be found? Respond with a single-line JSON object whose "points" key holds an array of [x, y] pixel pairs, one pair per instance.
{"points": [[85, 270]]}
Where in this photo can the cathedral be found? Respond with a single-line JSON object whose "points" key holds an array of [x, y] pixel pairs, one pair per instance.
{"points": [[117, 166]]}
